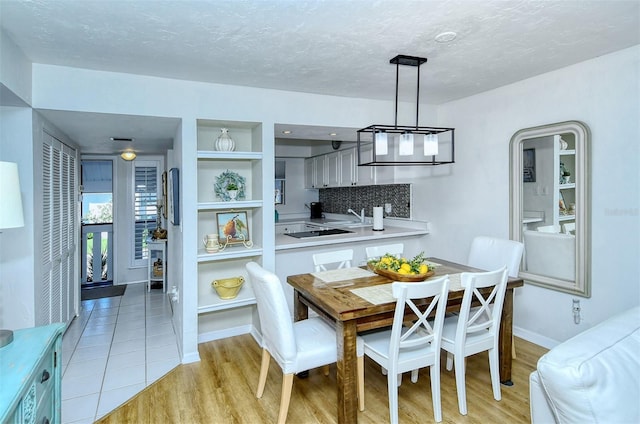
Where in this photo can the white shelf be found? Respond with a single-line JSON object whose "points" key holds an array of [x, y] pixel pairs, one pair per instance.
{"points": [[231, 252], [566, 218], [238, 204], [567, 152], [567, 186], [211, 302], [206, 154]]}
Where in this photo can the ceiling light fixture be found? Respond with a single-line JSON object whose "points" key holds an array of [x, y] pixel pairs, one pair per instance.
{"points": [[119, 139], [373, 141], [445, 37], [128, 155]]}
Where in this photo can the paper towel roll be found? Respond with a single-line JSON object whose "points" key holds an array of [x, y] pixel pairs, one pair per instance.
{"points": [[377, 219]]}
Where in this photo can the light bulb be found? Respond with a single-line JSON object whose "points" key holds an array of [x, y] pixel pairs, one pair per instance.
{"points": [[382, 147], [431, 145], [405, 147]]}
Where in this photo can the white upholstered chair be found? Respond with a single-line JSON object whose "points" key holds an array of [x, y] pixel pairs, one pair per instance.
{"points": [[404, 348], [341, 257], [489, 253], [296, 347], [475, 330], [375, 252]]}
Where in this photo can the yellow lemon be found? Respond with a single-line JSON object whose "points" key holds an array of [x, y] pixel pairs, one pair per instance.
{"points": [[403, 271], [405, 267], [424, 269]]}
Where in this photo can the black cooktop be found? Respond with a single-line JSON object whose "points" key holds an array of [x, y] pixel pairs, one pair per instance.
{"points": [[318, 233]]}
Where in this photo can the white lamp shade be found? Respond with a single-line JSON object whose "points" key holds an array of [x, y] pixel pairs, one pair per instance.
{"points": [[431, 145], [11, 215], [405, 146], [382, 146]]}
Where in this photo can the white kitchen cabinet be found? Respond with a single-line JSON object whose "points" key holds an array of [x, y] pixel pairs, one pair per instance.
{"points": [[338, 169], [245, 161], [310, 173], [350, 173], [332, 169]]}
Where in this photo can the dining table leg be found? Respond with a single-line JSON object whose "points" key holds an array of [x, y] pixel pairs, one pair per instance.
{"points": [[300, 309], [346, 372], [506, 339]]}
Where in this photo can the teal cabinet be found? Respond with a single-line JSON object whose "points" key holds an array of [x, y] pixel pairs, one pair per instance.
{"points": [[31, 376]]}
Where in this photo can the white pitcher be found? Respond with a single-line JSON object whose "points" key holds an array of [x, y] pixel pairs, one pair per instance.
{"points": [[211, 244]]}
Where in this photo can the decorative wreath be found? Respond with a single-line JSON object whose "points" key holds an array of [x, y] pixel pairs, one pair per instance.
{"points": [[226, 178]]}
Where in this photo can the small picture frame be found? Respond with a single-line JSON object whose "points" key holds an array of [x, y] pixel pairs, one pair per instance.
{"points": [[529, 165], [174, 196], [233, 227]]}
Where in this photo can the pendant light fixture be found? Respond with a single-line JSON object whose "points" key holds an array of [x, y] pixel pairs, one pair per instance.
{"points": [[396, 145]]}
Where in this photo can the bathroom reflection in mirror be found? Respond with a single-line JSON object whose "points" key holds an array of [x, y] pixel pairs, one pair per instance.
{"points": [[549, 182]]}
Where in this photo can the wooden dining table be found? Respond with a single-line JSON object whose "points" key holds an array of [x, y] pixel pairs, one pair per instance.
{"points": [[350, 314]]}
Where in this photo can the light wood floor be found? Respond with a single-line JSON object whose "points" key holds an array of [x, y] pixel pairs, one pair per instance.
{"points": [[221, 389]]}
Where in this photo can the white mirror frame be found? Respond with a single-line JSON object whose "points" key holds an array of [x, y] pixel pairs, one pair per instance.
{"points": [[582, 284]]}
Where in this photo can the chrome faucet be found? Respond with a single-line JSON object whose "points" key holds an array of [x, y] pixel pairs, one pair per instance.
{"points": [[361, 216]]}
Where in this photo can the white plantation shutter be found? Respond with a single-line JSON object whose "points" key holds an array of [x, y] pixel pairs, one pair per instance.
{"points": [[145, 201]]}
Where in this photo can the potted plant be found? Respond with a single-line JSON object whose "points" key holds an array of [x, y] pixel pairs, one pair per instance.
{"points": [[232, 190]]}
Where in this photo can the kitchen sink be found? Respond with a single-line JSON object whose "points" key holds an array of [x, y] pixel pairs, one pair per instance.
{"points": [[319, 233]]}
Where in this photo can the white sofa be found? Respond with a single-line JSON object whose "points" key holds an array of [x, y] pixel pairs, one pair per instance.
{"points": [[593, 377]]}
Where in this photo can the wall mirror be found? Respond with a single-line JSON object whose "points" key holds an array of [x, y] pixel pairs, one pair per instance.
{"points": [[549, 182]]}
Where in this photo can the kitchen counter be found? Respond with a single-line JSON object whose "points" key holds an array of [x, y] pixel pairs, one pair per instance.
{"points": [[393, 228]]}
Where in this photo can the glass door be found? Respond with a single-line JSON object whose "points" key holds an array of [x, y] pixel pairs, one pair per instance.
{"points": [[97, 222]]}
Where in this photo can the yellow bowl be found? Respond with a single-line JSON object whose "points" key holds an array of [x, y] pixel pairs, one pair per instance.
{"points": [[228, 288]]}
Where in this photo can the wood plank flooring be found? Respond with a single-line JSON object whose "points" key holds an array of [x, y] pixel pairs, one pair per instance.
{"points": [[221, 389]]}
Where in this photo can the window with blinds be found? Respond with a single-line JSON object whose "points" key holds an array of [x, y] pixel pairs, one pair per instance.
{"points": [[145, 205]]}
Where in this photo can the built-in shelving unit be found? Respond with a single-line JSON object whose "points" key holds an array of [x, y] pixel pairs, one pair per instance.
{"points": [[565, 187], [245, 161]]}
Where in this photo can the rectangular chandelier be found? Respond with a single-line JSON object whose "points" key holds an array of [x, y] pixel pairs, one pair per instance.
{"points": [[394, 145]]}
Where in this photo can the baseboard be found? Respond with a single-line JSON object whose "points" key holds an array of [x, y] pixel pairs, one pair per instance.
{"points": [[535, 338], [256, 335], [223, 334]]}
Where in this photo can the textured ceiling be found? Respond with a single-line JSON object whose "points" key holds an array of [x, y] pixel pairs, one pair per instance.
{"points": [[331, 47]]}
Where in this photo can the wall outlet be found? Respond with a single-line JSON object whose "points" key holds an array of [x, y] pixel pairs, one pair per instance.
{"points": [[387, 207]]}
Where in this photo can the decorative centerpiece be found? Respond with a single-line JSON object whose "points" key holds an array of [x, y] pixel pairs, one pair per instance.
{"points": [[224, 142], [401, 269], [229, 186], [228, 288]]}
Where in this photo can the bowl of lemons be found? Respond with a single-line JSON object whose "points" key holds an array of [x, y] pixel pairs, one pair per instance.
{"points": [[402, 269]]}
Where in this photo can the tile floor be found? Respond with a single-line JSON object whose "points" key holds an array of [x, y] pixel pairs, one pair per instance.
{"points": [[115, 348]]}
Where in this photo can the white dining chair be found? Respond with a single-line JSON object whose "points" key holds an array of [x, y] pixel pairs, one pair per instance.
{"points": [[376, 252], [296, 346], [342, 258], [402, 348], [475, 330], [548, 228], [489, 253], [569, 228]]}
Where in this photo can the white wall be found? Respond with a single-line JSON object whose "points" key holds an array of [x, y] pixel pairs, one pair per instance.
{"points": [[17, 244], [472, 196], [15, 72], [296, 196]]}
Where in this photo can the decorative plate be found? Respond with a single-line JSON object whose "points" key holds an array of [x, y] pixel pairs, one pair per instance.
{"points": [[401, 277], [226, 178]]}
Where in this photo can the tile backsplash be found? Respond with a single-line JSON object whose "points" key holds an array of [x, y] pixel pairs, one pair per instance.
{"points": [[339, 199]]}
